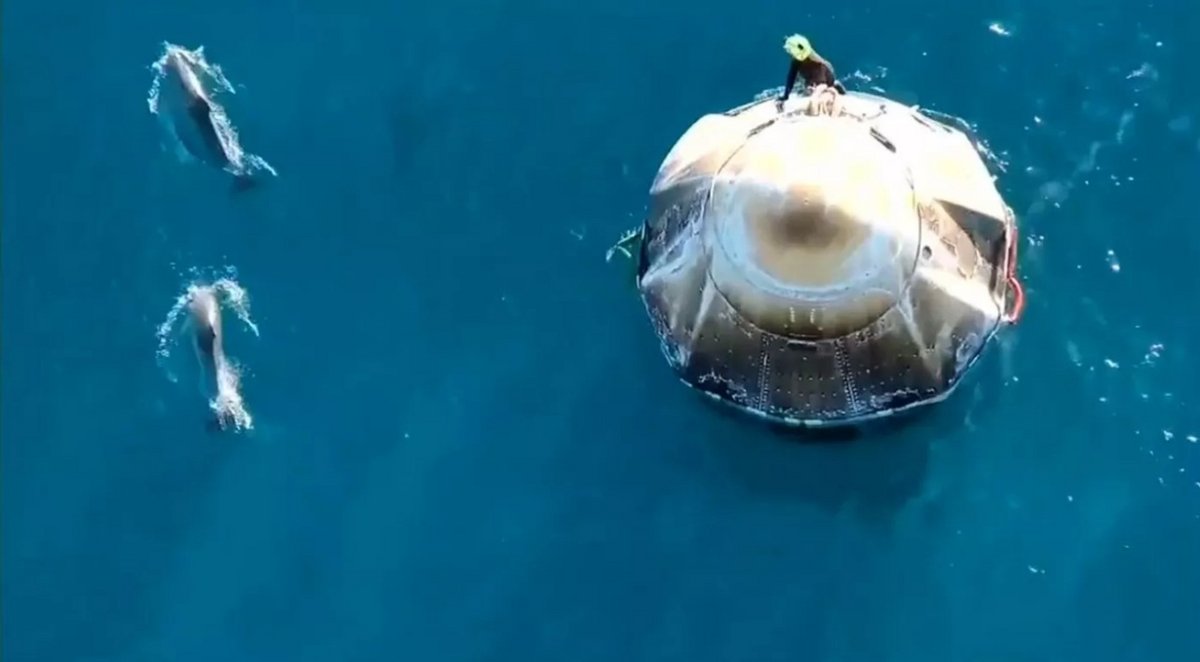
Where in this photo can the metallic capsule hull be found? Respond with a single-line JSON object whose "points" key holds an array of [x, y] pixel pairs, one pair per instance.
{"points": [[820, 268]]}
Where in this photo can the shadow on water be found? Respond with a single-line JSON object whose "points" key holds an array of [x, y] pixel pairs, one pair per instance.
{"points": [[870, 471]]}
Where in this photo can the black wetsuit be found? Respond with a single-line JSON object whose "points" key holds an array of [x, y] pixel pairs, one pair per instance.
{"points": [[816, 70]]}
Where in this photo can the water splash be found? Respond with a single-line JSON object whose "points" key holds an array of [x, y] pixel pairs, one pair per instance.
{"points": [[170, 102], [205, 70], [219, 382], [226, 403]]}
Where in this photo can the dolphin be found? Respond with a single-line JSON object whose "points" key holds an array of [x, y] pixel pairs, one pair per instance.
{"points": [[197, 126], [208, 341]]}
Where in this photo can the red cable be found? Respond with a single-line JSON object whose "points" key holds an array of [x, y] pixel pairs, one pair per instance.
{"points": [[1018, 305]]}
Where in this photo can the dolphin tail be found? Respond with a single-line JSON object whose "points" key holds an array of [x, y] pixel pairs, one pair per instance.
{"points": [[218, 423], [244, 182], [214, 425]]}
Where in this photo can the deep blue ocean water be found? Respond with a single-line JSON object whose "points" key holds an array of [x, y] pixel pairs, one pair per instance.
{"points": [[467, 444]]}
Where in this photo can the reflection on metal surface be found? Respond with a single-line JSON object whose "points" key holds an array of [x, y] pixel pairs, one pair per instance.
{"points": [[829, 264]]}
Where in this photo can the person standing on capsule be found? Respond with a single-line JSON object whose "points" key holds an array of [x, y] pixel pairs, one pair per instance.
{"points": [[815, 69]]}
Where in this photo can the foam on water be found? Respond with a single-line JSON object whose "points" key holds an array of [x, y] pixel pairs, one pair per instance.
{"points": [[169, 105]]}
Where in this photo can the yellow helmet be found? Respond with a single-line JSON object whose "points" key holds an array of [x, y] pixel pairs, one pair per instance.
{"points": [[798, 47]]}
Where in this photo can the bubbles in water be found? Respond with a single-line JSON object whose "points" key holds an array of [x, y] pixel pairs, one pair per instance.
{"points": [[997, 28], [227, 403], [1153, 354], [1147, 70]]}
